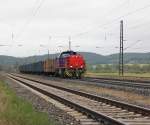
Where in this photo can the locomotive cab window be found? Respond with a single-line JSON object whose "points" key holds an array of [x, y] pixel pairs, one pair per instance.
{"points": [[67, 53]]}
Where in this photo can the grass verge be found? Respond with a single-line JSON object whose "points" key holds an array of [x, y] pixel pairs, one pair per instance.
{"points": [[144, 75], [16, 111]]}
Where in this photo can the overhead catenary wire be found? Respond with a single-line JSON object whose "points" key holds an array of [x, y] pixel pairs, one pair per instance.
{"points": [[129, 13], [139, 25], [115, 20], [34, 16], [34, 13], [133, 44], [112, 10]]}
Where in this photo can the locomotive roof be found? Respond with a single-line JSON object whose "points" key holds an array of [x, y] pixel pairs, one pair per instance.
{"points": [[70, 52]]}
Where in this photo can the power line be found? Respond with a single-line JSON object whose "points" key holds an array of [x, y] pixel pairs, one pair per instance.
{"points": [[133, 44], [119, 6], [139, 25], [108, 23], [31, 18]]}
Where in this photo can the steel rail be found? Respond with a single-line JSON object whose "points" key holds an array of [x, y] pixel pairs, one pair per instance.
{"points": [[126, 79], [116, 82], [120, 80], [123, 105], [93, 114]]}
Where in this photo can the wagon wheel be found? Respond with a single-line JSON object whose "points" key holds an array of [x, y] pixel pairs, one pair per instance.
{"points": [[62, 73]]}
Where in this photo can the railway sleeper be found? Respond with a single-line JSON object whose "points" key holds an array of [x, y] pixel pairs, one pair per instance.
{"points": [[91, 112], [69, 110]]}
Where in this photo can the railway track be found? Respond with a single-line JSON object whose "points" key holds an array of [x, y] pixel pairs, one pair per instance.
{"points": [[101, 110], [133, 84], [109, 82], [124, 78]]}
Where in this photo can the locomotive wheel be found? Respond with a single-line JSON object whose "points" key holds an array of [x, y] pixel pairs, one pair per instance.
{"points": [[77, 74], [68, 73], [56, 74]]}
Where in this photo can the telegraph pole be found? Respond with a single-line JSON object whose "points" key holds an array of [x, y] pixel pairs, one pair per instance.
{"points": [[69, 43], [121, 64], [48, 53]]}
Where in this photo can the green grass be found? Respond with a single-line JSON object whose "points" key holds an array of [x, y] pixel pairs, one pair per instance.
{"points": [[116, 74], [16, 111], [131, 70]]}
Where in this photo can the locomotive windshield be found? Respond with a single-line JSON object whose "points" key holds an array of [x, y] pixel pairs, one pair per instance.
{"points": [[67, 53]]}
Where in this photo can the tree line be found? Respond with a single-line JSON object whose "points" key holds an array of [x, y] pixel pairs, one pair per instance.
{"points": [[113, 68]]}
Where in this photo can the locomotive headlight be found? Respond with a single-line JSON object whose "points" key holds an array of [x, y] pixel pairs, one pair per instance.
{"points": [[81, 66], [70, 66]]}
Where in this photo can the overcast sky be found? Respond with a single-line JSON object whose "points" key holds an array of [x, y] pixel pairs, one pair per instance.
{"points": [[90, 23]]}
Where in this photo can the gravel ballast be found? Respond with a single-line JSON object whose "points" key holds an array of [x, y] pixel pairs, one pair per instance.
{"points": [[104, 91], [61, 117]]}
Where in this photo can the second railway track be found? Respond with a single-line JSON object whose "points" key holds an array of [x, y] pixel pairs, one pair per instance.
{"points": [[103, 110], [138, 84]]}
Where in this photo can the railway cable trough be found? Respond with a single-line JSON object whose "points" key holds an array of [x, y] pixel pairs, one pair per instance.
{"points": [[100, 110]]}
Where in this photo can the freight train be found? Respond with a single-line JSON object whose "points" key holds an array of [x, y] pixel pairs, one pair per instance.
{"points": [[69, 64]]}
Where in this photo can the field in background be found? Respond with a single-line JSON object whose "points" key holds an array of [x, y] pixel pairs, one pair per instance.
{"points": [[117, 75], [134, 70]]}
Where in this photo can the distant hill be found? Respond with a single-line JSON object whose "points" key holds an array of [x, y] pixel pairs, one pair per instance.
{"points": [[131, 58], [91, 58]]}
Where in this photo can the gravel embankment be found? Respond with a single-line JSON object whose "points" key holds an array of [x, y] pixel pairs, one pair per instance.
{"points": [[139, 91], [61, 117], [105, 91]]}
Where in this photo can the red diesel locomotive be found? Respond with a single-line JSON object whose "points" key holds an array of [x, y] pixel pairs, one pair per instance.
{"points": [[68, 64]]}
